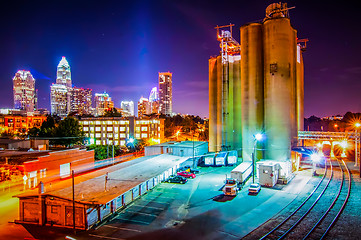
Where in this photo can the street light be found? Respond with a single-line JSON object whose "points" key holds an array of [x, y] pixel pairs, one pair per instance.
{"points": [[357, 125], [258, 137]]}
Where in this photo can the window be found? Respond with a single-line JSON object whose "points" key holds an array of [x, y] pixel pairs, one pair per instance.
{"points": [[122, 129], [137, 135], [54, 209], [122, 135], [109, 129], [98, 135], [86, 129], [144, 129], [97, 129], [144, 135]]}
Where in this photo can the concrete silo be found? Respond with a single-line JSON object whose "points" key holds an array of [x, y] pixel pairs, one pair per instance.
{"points": [[279, 83], [224, 97], [258, 88], [251, 87]]}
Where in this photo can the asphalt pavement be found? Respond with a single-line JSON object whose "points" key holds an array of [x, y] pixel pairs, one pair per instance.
{"points": [[199, 210]]}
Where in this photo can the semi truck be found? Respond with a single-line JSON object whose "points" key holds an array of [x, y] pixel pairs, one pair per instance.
{"points": [[239, 176]]}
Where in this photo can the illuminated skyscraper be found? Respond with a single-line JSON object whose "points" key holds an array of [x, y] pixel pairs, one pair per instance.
{"points": [[165, 93], [81, 100], [24, 91], [143, 107], [63, 75], [128, 108], [60, 92], [154, 100], [102, 102], [59, 100]]}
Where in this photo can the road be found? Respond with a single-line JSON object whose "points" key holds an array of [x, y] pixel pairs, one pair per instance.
{"points": [[197, 208]]}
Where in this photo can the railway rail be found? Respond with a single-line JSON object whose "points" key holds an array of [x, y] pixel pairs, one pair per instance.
{"points": [[315, 216]]}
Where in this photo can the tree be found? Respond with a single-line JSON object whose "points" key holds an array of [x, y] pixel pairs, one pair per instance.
{"points": [[112, 112], [69, 132], [104, 151]]}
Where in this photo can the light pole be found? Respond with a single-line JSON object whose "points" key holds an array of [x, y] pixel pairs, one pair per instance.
{"points": [[257, 137], [357, 125]]}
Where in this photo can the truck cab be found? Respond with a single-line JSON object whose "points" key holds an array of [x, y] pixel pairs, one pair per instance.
{"points": [[231, 187]]}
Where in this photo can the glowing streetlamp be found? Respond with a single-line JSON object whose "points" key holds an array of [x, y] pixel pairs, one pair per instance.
{"points": [[258, 137], [357, 125], [25, 178]]}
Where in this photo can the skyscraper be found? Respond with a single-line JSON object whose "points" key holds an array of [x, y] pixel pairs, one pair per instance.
{"points": [[63, 75], [154, 100], [24, 91], [143, 107], [102, 102], [165, 93], [128, 108], [81, 100], [60, 92]]}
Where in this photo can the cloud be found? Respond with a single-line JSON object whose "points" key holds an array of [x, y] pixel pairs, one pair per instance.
{"points": [[354, 70], [117, 89]]}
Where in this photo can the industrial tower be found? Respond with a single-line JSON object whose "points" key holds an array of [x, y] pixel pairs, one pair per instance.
{"points": [[257, 86]]}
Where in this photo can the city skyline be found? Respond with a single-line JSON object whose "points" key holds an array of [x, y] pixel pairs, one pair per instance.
{"points": [[178, 37]]}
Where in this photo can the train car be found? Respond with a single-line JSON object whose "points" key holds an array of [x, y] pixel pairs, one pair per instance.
{"points": [[232, 158], [221, 159], [209, 159]]}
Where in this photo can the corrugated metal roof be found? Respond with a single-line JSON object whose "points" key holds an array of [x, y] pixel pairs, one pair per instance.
{"points": [[90, 189]]}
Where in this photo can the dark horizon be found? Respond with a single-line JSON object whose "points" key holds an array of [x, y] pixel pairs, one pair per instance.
{"points": [[120, 48]]}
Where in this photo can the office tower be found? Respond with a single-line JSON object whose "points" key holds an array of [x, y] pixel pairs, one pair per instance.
{"points": [[258, 89], [165, 93], [63, 75], [143, 107], [102, 103], [128, 108], [154, 100], [60, 92], [81, 101], [25, 97], [59, 100]]}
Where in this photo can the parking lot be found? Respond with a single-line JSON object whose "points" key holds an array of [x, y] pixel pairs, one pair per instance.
{"points": [[197, 208]]}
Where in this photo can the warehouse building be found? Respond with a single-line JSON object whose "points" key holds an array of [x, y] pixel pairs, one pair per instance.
{"points": [[182, 149], [96, 198]]}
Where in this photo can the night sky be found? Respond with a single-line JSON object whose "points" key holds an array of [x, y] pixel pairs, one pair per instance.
{"points": [[120, 46]]}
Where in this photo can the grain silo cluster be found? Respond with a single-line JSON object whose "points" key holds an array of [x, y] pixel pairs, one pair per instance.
{"points": [[257, 87]]}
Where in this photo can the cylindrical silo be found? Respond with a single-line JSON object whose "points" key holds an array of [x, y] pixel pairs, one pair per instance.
{"points": [[237, 106], [212, 104], [293, 76], [219, 103], [300, 89], [251, 87], [279, 99], [230, 123]]}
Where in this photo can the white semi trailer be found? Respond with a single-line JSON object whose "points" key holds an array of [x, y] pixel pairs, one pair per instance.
{"points": [[239, 176]]}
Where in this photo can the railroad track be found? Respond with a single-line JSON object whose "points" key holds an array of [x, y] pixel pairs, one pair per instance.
{"points": [[315, 216]]}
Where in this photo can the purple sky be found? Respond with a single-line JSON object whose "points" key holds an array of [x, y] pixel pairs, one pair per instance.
{"points": [[120, 46]]}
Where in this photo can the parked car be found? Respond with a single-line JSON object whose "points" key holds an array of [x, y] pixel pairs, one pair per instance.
{"points": [[176, 179], [254, 188], [191, 170], [186, 174]]}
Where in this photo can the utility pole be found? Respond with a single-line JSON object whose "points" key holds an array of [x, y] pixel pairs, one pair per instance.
{"points": [[72, 178]]}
